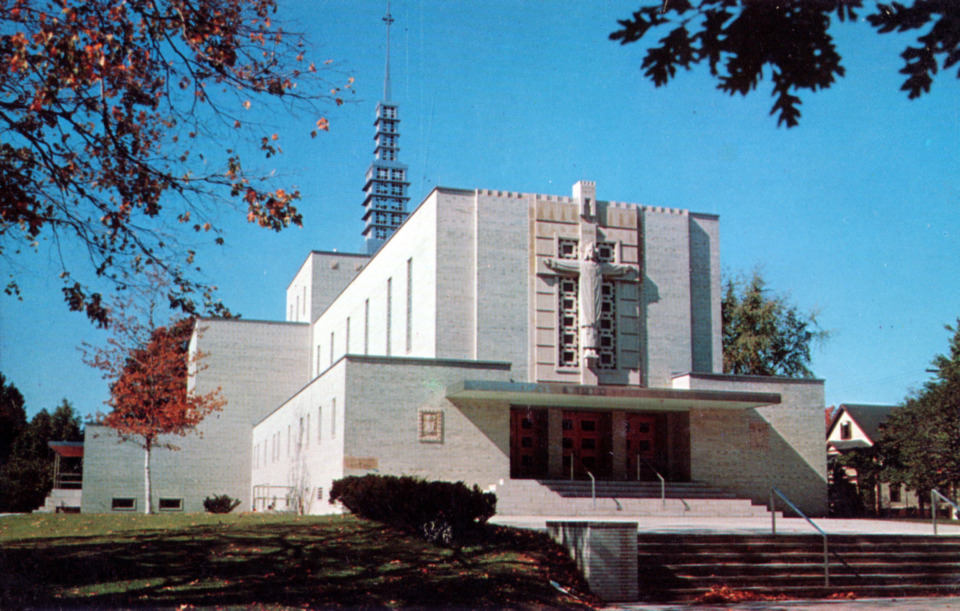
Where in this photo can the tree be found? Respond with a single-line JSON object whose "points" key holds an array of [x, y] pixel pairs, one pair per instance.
{"points": [[920, 443], [762, 334], [742, 41], [27, 477], [149, 395], [13, 417], [103, 105]]}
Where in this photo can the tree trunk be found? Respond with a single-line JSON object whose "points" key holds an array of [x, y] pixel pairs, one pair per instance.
{"points": [[148, 502]]}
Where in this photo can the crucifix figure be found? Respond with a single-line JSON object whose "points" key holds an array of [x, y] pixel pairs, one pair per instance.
{"points": [[592, 272]]}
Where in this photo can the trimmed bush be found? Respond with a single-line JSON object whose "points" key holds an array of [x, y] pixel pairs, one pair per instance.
{"points": [[445, 513], [221, 503]]}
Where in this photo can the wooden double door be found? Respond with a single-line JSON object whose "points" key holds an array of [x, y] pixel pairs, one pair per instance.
{"points": [[587, 446]]}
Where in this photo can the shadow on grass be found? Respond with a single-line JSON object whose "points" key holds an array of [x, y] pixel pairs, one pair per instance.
{"points": [[324, 563]]}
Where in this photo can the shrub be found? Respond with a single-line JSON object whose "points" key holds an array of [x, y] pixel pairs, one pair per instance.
{"points": [[445, 513], [221, 503]]}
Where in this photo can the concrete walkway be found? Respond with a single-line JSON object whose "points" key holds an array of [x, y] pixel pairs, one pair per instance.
{"points": [[866, 604], [759, 526]]}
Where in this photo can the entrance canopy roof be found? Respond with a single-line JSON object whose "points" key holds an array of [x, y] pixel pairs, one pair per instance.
{"points": [[605, 397]]}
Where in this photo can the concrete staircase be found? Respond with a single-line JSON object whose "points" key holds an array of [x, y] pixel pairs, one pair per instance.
{"points": [[682, 567], [572, 498], [61, 499]]}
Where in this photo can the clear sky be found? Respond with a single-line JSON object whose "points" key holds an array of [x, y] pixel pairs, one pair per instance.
{"points": [[854, 213]]}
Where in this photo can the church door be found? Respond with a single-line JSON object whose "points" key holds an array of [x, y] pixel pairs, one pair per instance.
{"points": [[586, 444], [641, 444], [528, 443]]}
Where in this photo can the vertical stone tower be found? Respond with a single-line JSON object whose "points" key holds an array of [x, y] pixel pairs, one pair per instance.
{"points": [[385, 201]]}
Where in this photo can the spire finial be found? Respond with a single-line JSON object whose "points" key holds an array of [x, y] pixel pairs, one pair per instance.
{"points": [[388, 19]]}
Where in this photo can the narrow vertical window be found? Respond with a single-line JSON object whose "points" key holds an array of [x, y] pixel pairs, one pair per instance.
{"points": [[318, 359], [298, 307], [346, 341], [366, 326], [409, 304], [331, 347], [333, 420], [319, 423], [389, 310]]}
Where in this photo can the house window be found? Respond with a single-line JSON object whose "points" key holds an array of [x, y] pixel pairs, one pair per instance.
{"points": [[846, 430], [319, 493], [607, 252], [895, 493], [170, 504], [123, 504]]}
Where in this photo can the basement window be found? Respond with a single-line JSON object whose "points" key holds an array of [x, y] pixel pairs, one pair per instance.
{"points": [[171, 505], [123, 504]]}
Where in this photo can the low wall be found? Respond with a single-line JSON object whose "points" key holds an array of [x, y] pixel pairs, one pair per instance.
{"points": [[606, 554]]}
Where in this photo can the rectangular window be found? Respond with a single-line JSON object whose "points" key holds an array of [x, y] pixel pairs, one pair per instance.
{"points": [[331, 348], [346, 341], [319, 493], [409, 305], [333, 420], [318, 359], [895, 493], [320, 423], [298, 305], [389, 308], [366, 326], [846, 431], [170, 504], [123, 504]]}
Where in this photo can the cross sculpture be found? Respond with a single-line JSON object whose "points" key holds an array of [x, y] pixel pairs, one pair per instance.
{"points": [[591, 273]]}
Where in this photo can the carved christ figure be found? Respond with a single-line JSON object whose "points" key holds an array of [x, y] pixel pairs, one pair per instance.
{"points": [[591, 273]]}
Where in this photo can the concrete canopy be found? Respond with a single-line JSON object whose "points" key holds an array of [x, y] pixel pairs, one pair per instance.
{"points": [[605, 397]]}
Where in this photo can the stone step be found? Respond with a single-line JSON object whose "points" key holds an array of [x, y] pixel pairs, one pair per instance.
{"points": [[681, 568]]}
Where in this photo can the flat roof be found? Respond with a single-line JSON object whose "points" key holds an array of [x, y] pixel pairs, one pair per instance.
{"points": [[606, 397]]}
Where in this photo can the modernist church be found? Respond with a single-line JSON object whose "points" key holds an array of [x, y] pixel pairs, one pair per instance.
{"points": [[516, 341]]}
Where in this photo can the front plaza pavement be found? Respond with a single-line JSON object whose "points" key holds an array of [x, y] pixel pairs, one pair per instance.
{"points": [[785, 526]]}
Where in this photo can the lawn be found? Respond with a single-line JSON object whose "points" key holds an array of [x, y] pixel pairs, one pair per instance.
{"points": [[269, 561]]}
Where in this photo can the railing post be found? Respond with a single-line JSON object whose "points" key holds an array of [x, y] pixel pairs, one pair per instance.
{"points": [[933, 510], [826, 564], [593, 488], [773, 514]]}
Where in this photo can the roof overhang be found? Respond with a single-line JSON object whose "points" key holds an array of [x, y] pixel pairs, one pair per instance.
{"points": [[604, 397], [67, 449]]}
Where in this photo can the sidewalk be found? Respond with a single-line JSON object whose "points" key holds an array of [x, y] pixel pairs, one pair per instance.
{"points": [[758, 526], [866, 604]]}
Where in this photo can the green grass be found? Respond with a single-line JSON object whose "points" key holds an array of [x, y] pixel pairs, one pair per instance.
{"points": [[272, 561]]}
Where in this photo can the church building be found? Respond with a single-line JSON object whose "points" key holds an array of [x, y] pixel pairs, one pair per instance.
{"points": [[511, 340]]}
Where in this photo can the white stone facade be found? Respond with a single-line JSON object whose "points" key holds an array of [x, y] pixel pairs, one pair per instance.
{"points": [[431, 357]]}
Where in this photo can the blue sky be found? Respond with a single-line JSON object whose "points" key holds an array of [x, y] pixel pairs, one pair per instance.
{"points": [[854, 214]]}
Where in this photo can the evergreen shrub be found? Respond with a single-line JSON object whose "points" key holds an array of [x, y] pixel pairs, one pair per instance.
{"points": [[444, 513], [220, 503]]}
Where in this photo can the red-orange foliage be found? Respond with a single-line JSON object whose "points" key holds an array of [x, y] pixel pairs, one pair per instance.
{"points": [[101, 102], [149, 395]]}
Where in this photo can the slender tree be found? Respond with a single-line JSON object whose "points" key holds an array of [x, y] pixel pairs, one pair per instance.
{"points": [[119, 120], [743, 42], [763, 334], [148, 361], [13, 417]]}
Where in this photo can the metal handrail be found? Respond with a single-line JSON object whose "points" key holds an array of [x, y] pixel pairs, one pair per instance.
{"points": [[593, 480], [934, 493], [826, 547], [663, 482], [593, 487]]}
